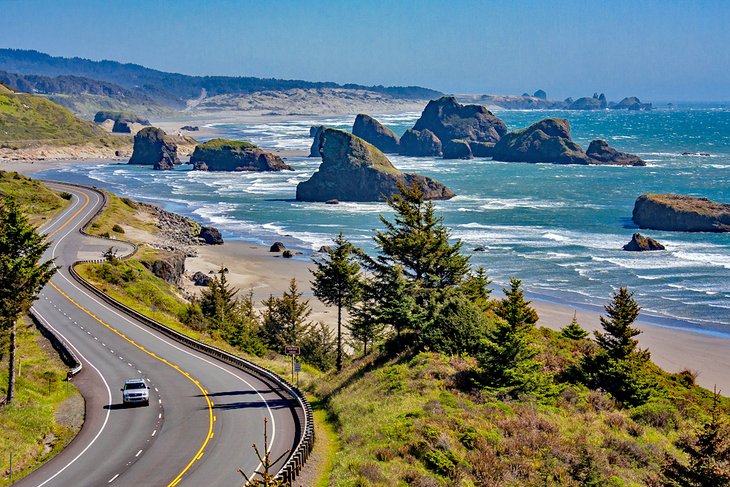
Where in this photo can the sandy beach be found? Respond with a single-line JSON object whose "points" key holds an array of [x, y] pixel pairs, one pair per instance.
{"points": [[254, 267]]}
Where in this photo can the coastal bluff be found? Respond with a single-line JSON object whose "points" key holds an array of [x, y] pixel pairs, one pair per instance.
{"points": [[354, 170], [674, 212], [234, 155]]}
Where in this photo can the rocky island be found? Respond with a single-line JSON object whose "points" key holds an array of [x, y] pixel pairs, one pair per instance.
{"points": [[234, 155], [354, 170], [375, 133], [153, 147], [674, 212]]}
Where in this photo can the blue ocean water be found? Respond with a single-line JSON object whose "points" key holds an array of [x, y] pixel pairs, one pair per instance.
{"points": [[558, 228]]}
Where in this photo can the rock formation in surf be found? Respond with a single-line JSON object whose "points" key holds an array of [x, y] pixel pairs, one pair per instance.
{"points": [[375, 133], [674, 212], [448, 119], [640, 243], [234, 155], [152, 147], [601, 153]]}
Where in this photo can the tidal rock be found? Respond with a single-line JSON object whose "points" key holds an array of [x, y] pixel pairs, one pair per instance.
{"points": [[190, 128], [233, 155], [200, 166], [585, 103], [353, 170], [540, 94], [449, 119], [457, 149], [287, 254], [545, 141], [152, 147], [325, 249], [640, 243], [631, 103], [482, 149], [420, 143], [316, 133], [211, 235], [118, 116], [674, 212], [163, 165], [480, 249], [201, 279], [372, 131], [168, 266], [602, 153], [277, 247], [331, 202], [604, 102]]}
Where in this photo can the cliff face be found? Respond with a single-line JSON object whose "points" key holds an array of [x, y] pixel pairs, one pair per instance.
{"points": [[152, 147], [449, 119], [680, 213], [353, 170], [232, 155], [373, 132], [545, 141]]}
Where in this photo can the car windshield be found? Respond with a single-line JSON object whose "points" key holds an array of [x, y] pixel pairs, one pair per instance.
{"points": [[135, 385]]}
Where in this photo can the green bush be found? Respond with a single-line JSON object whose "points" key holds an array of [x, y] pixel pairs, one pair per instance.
{"points": [[655, 413], [65, 195], [117, 228]]}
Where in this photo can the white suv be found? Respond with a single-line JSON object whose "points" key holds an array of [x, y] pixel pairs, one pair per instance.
{"points": [[135, 391]]}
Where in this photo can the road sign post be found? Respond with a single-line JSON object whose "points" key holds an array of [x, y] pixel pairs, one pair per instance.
{"points": [[291, 350]]}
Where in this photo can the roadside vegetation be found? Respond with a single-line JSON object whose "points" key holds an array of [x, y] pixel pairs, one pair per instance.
{"points": [[37, 201], [122, 210]]}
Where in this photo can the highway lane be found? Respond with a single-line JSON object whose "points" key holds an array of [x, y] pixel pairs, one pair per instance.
{"points": [[203, 415]]}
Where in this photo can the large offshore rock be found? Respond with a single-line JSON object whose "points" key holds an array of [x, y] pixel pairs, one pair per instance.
{"points": [[316, 133], [457, 149], [372, 131], [586, 103], [234, 155], [640, 243], [482, 149], [601, 153], [681, 213], [449, 119], [152, 147], [420, 143], [631, 103], [354, 170], [545, 141]]}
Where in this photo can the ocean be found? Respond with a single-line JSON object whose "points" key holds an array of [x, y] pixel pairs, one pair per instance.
{"points": [[558, 228]]}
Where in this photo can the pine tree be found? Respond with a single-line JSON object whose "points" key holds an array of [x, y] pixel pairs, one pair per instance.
{"points": [[514, 309], [319, 347], [617, 341], [22, 275], [243, 330], [284, 319], [709, 457], [396, 306], [337, 282], [476, 288], [574, 331], [218, 301]]}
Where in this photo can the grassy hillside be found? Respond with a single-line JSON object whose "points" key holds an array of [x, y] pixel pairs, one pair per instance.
{"points": [[29, 118], [38, 201], [421, 421]]}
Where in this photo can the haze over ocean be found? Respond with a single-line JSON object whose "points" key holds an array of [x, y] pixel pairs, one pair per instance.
{"points": [[559, 228]]}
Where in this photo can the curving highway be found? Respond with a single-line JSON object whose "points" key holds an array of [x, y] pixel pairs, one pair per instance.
{"points": [[203, 415]]}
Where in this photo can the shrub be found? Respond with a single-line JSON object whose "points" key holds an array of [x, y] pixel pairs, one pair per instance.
{"points": [[65, 195], [657, 414], [117, 228]]}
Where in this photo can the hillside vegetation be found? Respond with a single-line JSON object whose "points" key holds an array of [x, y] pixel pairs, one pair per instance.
{"points": [[38, 201]]}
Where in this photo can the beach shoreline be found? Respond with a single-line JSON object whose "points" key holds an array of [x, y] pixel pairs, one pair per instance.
{"points": [[252, 266]]}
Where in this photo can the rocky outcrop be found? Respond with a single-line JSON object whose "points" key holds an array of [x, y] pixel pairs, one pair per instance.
{"points": [[316, 133], [211, 236], [602, 153], [586, 103], [277, 247], [640, 243], [449, 119], [681, 213], [545, 141], [233, 155], [373, 132], [540, 94], [631, 103], [482, 149], [190, 128], [420, 143], [353, 170], [457, 149], [152, 147], [201, 279], [168, 266]]}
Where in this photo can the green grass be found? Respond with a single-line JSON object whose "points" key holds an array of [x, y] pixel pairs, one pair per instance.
{"points": [[25, 423], [125, 211], [227, 144], [39, 202]]}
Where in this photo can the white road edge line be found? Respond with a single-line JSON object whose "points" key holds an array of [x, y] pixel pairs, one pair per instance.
{"points": [[113, 479]]}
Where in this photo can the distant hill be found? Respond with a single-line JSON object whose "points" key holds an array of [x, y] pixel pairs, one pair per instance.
{"points": [[30, 118], [171, 89]]}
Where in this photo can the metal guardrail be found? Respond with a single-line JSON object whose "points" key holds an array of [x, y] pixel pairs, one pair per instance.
{"points": [[67, 355], [290, 471]]}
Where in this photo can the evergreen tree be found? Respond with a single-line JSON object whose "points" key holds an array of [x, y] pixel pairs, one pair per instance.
{"points": [[218, 301], [22, 275], [476, 288], [458, 327], [507, 354], [284, 319], [574, 331], [243, 330], [364, 326], [396, 305], [709, 457], [617, 341], [319, 347], [337, 282]]}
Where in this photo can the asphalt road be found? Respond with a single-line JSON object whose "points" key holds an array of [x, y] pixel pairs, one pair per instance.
{"points": [[203, 415]]}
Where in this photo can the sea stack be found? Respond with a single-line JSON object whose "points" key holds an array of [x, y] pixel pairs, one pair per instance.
{"points": [[448, 120], [354, 170], [234, 155], [152, 147], [545, 141], [674, 212], [375, 133]]}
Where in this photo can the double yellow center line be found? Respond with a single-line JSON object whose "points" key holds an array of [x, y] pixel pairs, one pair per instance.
{"points": [[211, 418]]}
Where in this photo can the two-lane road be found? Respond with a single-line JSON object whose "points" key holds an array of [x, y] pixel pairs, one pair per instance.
{"points": [[203, 414]]}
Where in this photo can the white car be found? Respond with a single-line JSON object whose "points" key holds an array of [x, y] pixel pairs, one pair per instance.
{"points": [[135, 391]]}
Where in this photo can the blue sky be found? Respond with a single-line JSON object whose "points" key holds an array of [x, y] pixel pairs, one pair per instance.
{"points": [[657, 50]]}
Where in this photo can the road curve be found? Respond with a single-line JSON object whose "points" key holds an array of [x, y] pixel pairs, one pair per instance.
{"points": [[204, 414]]}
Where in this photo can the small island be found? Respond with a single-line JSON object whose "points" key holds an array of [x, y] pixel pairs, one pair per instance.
{"points": [[235, 155], [680, 213]]}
